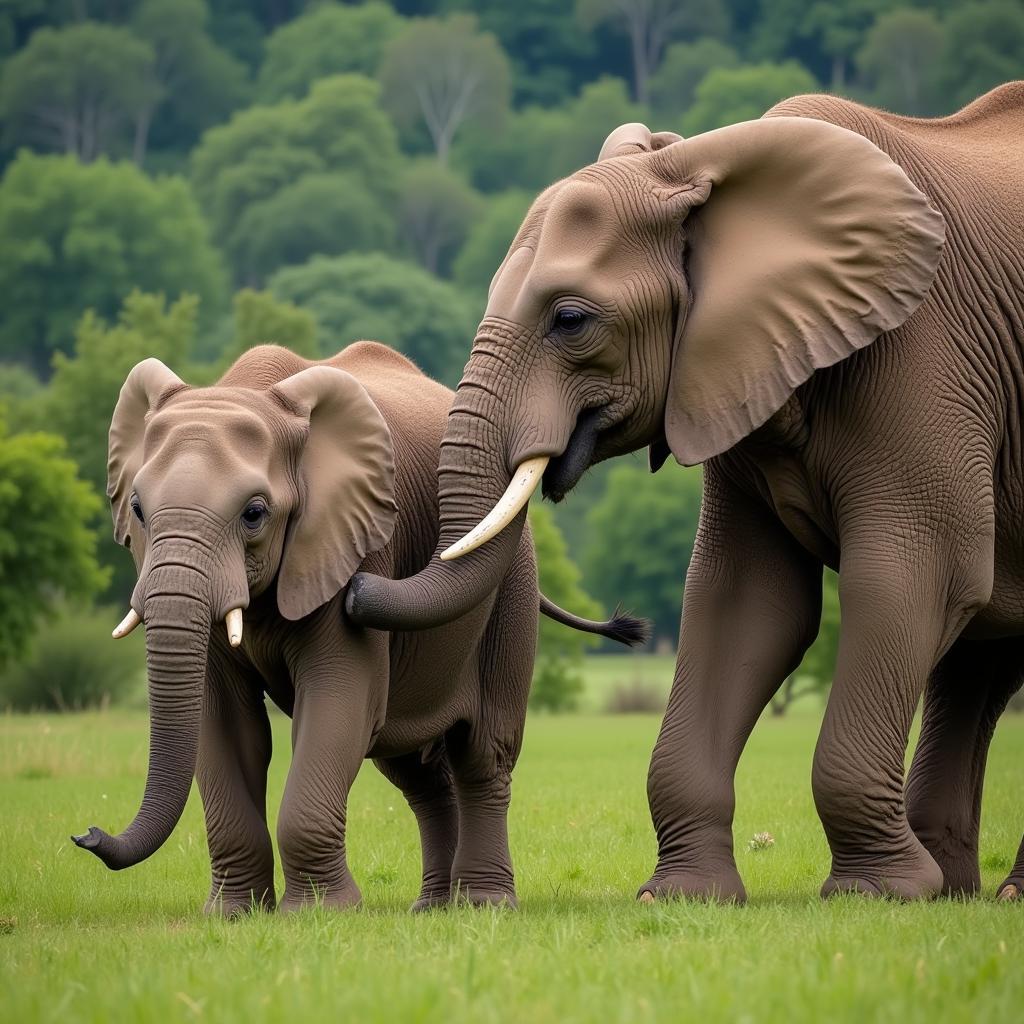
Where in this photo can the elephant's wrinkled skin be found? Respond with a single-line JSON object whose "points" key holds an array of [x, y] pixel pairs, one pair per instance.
{"points": [[826, 306], [265, 493]]}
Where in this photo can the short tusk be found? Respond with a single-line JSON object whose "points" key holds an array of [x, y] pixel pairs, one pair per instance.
{"points": [[517, 494], [234, 623], [127, 624]]}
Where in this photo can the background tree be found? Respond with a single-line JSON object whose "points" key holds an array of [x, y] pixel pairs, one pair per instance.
{"points": [[839, 29], [328, 40], [436, 209], [640, 540], [321, 213], [80, 399], [197, 83], [79, 89], [728, 95], [651, 25], [557, 676], [443, 73], [376, 297], [47, 548], [898, 61], [673, 86], [76, 237], [260, 319], [488, 241], [263, 150], [551, 58], [985, 47]]}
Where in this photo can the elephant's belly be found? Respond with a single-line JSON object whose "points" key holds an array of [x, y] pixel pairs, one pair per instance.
{"points": [[1004, 614], [433, 686]]}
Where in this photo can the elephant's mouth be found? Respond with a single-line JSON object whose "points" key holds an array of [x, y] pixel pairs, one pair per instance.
{"points": [[564, 471]]}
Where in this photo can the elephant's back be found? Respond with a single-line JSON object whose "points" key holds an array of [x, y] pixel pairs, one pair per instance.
{"points": [[412, 403], [968, 161]]}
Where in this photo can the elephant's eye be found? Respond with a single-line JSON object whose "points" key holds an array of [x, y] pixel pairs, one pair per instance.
{"points": [[137, 509], [254, 514], [569, 320]]}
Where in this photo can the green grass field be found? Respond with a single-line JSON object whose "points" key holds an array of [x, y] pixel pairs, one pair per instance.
{"points": [[78, 943]]}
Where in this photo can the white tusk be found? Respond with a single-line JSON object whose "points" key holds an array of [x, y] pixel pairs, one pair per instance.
{"points": [[517, 494], [233, 619], [127, 624]]}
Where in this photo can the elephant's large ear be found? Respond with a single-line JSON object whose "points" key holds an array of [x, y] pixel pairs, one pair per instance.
{"points": [[347, 479], [810, 243], [149, 383]]}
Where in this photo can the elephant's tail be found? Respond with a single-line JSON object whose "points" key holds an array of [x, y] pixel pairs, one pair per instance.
{"points": [[626, 629]]}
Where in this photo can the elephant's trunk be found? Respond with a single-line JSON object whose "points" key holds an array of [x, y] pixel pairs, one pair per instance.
{"points": [[472, 476], [177, 620]]}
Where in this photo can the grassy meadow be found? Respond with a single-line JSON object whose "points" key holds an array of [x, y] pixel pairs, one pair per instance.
{"points": [[78, 943]]}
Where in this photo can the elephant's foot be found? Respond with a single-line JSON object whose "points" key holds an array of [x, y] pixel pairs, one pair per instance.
{"points": [[432, 899], [913, 875], [341, 895], [225, 903], [957, 858], [478, 896], [722, 885], [1011, 891]]}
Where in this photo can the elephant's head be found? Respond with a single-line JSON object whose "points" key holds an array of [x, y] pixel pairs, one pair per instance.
{"points": [[221, 493], [673, 294]]}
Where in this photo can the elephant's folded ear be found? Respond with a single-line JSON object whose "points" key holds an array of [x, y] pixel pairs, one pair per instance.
{"points": [[347, 482], [811, 243], [145, 387]]}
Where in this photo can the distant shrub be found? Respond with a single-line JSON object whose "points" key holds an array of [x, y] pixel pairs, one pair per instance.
{"points": [[73, 664], [635, 697]]}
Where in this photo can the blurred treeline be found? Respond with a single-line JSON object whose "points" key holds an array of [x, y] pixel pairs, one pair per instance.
{"points": [[186, 178]]}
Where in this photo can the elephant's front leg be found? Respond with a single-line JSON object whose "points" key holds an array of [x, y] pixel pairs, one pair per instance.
{"points": [[751, 608], [340, 696], [234, 752], [905, 597]]}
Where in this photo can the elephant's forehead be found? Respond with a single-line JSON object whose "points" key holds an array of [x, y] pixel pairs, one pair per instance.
{"points": [[225, 434], [575, 233]]}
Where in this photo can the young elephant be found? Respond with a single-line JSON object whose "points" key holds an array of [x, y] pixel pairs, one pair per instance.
{"points": [[264, 494]]}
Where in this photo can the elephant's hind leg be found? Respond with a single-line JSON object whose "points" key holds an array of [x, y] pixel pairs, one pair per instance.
{"points": [[1012, 887], [966, 695], [234, 752], [906, 595], [427, 787]]}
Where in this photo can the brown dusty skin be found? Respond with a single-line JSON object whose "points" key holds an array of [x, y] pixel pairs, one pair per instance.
{"points": [[826, 308], [265, 493]]}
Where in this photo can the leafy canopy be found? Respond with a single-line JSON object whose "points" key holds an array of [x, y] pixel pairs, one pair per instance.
{"points": [[47, 548], [557, 675], [379, 298], [331, 39], [640, 539], [76, 237]]}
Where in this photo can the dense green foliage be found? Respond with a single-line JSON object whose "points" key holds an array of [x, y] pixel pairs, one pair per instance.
{"points": [[47, 548], [358, 170], [73, 663], [640, 540], [557, 676]]}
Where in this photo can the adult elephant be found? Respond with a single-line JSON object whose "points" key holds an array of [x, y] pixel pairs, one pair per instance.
{"points": [[826, 307]]}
